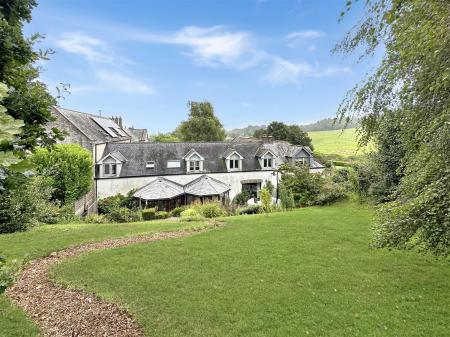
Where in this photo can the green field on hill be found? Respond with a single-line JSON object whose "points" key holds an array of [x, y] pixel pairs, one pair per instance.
{"points": [[340, 142]]}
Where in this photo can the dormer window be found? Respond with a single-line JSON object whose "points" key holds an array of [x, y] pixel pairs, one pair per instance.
{"points": [[150, 164], [194, 162], [234, 161], [109, 169], [267, 160]]}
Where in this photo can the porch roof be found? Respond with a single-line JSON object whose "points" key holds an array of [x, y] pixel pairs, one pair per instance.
{"points": [[205, 186], [160, 189]]}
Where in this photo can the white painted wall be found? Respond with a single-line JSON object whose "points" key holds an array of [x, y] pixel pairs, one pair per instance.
{"points": [[111, 186]]}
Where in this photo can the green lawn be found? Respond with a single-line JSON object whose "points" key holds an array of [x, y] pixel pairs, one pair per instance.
{"points": [[43, 240], [303, 273], [338, 142]]}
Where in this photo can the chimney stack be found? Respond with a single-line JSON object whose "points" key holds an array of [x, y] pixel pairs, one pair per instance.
{"points": [[267, 139]]}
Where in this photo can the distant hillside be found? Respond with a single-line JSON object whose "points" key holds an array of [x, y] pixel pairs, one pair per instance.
{"points": [[336, 142], [325, 124], [247, 131]]}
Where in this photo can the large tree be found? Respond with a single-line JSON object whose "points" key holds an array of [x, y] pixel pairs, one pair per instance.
{"points": [[290, 133], [202, 124], [28, 99], [404, 106]]}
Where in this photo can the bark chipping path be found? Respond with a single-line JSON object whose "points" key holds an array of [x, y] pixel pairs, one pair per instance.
{"points": [[63, 312]]}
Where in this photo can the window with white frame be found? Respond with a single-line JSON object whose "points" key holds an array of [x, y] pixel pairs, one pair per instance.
{"points": [[267, 160], [194, 165], [110, 169], [234, 162], [150, 164]]}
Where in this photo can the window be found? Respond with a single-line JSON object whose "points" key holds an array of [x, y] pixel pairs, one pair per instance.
{"points": [[173, 164], [110, 169], [267, 162], [194, 165], [234, 164], [304, 160], [150, 164]]}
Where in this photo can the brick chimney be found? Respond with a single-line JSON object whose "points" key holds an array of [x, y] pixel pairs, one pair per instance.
{"points": [[267, 139]]}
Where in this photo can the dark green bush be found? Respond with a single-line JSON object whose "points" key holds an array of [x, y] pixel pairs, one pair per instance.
{"points": [[241, 198], [253, 209], [149, 214], [123, 214], [106, 205], [176, 212], [26, 206]]}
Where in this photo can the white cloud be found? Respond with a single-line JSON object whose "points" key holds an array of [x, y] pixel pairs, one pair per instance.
{"points": [[211, 46], [96, 52], [120, 82], [284, 71], [299, 38], [91, 48]]}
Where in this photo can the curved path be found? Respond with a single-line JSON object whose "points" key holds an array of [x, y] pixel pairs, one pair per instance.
{"points": [[62, 312]]}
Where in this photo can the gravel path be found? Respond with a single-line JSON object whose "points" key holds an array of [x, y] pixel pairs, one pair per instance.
{"points": [[62, 312]]}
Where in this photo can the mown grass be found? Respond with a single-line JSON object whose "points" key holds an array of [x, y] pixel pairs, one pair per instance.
{"points": [[43, 240], [337, 142], [304, 273]]}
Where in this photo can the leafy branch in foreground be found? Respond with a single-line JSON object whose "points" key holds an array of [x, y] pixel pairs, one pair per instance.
{"points": [[410, 90]]}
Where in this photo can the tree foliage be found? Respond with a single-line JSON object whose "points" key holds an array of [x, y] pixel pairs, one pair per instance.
{"points": [[9, 129], [202, 124], [69, 166], [405, 107], [290, 133], [166, 138], [28, 98]]}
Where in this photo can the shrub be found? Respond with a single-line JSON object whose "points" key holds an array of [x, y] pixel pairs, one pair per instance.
{"points": [[241, 198], [304, 186], [123, 214], [210, 209], [96, 219], [253, 209], [106, 205], [162, 215], [286, 198], [8, 272], [266, 200], [190, 212], [26, 206], [270, 187], [176, 212], [331, 192], [149, 214], [69, 166]]}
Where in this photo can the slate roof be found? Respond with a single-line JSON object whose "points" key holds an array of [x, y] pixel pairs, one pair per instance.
{"points": [[86, 125], [163, 189], [160, 189], [205, 185], [137, 154], [137, 135]]}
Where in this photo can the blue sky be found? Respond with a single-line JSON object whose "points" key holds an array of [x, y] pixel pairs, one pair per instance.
{"points": [[256, 61]]}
